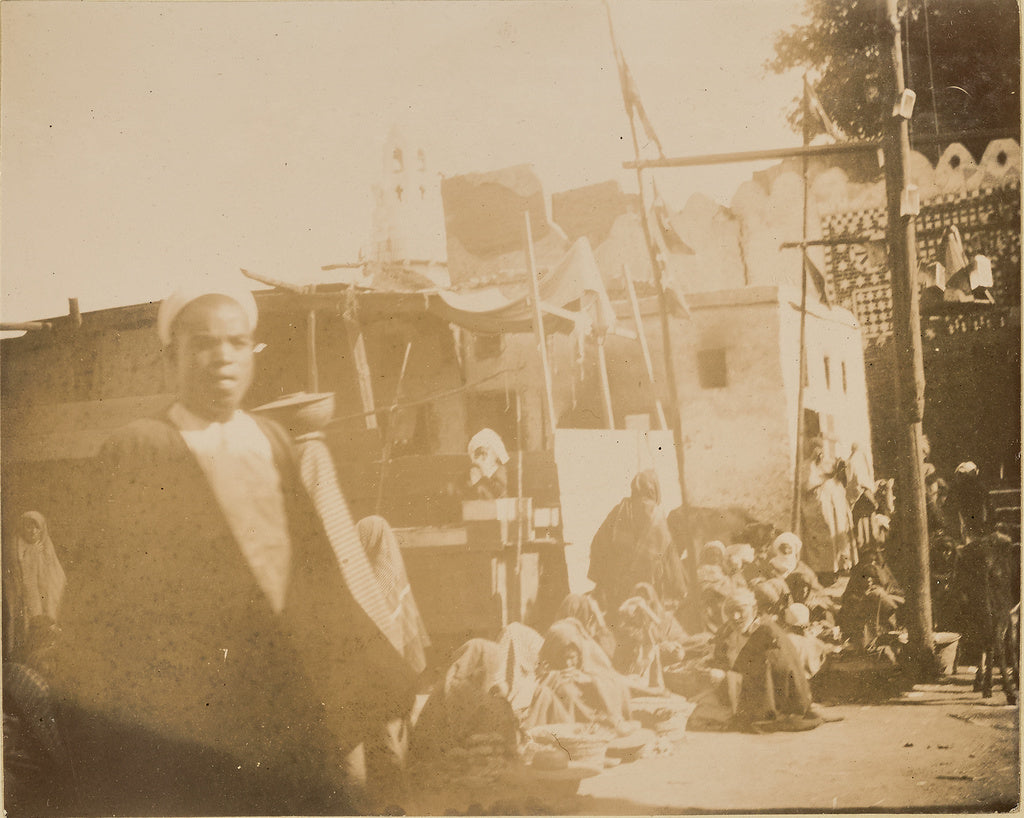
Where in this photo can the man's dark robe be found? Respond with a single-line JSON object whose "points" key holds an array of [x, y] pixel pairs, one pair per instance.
{"points": [[183, 691], [774, 683]]}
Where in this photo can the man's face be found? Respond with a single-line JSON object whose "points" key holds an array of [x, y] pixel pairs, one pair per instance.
{"points": [[742, 615], [212, 352]]}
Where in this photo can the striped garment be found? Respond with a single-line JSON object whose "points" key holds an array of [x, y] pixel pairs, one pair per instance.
{"points": [[321, 482]]}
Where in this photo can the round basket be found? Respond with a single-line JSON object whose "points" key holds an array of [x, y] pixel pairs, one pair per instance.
{"points": [[586, 751], [584, 748]]}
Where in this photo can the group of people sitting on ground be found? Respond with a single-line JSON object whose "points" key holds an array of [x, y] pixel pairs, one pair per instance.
{"points": [[755, 612]]}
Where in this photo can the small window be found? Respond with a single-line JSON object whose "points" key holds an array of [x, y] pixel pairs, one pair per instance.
{"points": [[711, 369], [812, 424], [399, 165], [842, 365], [828, 373]]}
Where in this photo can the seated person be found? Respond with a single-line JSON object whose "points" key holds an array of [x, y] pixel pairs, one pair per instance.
{"points": [[763, 685], [740, 557], [788, 579], [472, 701], [667, 629], [810, 650], [488, 479], [871, 601], [774, 692], [638, 653], [584, 608], [574, 685], [715, 584]]}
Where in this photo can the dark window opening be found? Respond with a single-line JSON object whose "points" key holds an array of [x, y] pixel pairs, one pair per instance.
{"points": [[399, 164], [711, 369], [493, 410], [812, 424], [842, 365], [828, 373], [954, 162]]}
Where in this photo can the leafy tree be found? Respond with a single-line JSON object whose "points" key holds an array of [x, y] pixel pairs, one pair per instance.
{"points": [[961, 57]]}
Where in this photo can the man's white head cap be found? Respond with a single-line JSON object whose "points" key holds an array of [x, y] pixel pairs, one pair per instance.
{"points": [[171, 306]]}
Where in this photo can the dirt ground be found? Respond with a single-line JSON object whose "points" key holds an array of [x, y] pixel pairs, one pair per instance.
{"points": [[936, 748]]}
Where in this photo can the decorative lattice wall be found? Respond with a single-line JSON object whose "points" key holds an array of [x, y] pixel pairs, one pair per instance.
{"points": [[989, 222]]}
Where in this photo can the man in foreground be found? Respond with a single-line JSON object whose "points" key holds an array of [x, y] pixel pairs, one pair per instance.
{"points": [[215, 661]]}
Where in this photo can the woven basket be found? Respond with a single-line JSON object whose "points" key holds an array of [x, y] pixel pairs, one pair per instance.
{"points": [[584, 748]]}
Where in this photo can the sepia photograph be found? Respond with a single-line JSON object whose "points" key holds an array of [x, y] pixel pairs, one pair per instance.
{"points": [[510, 407]]}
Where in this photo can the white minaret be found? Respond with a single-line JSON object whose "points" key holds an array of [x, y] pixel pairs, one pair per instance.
{"points": [[408, 218]]}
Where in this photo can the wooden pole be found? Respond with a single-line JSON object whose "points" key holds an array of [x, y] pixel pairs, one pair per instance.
{"points": [[644, 348], [861, 146], [666, 334], [26, 326], [798, 453], [606, 391], [313, 368], [385, 460], [911, 517], [538, 326]]}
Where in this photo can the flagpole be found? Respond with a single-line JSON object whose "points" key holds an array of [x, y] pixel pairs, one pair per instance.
{"points": [[798, 456], [666, 335]]}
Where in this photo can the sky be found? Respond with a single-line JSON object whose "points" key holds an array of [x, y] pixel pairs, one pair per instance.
{"points": [[145, 142]]}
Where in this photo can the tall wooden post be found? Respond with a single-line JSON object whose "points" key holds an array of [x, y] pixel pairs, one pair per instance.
{"points": [[538, 325], [798, 449], [911, 516]]}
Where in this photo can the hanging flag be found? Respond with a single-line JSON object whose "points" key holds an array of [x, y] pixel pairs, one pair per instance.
{"points": [[816, 107], [818, 279], [630, 93], [673, 241]]}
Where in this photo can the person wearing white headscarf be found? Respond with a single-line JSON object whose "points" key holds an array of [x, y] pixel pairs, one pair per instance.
{"points": [[783, 578], [968, 504], [33, 582], [487, 477]]}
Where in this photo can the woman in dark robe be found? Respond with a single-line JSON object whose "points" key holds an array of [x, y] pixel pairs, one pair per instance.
{"points": [[634, 545]]}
